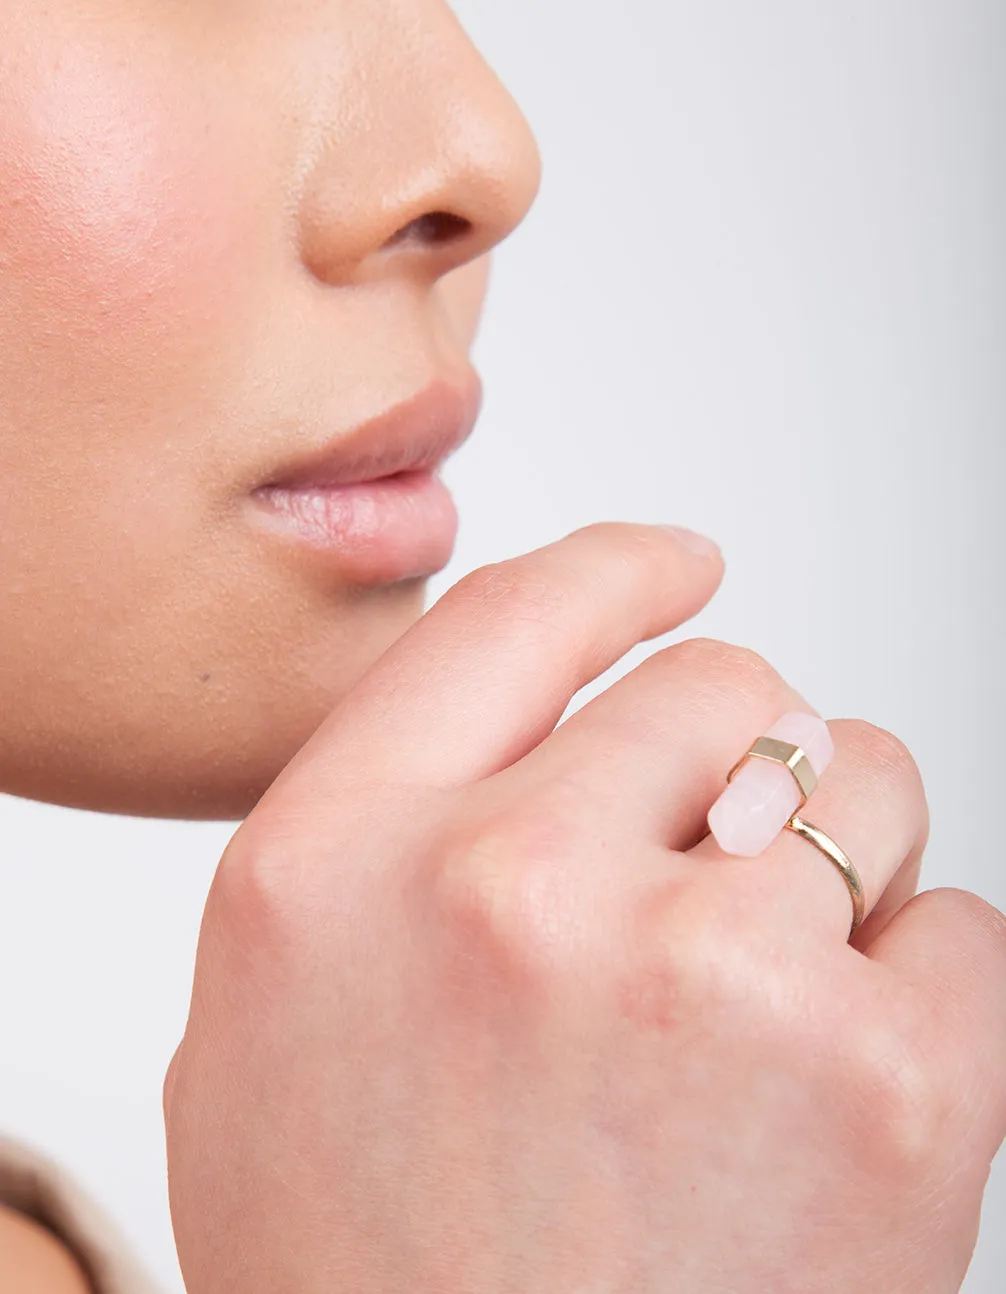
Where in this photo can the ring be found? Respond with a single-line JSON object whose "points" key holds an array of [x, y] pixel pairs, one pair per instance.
{"points": [[840, 858], [782, 752], [795, 759]]}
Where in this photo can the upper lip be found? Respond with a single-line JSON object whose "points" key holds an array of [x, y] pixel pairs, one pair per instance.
{"points": [[416, 435]]}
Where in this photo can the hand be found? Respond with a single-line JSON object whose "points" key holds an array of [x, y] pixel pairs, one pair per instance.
{"points": [[479, 1007]]}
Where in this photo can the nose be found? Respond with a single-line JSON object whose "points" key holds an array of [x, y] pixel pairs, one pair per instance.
{"points": [[422, 160]]}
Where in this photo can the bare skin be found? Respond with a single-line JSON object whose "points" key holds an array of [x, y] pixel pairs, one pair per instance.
{"points": [[33, 1261], [499, 1018], [476, 1006], [200, 276]]}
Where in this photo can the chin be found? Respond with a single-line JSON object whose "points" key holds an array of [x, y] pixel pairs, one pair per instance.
{"points": [[221, 779], [165, 737]]}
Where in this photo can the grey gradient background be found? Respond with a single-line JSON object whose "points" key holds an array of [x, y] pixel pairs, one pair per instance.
{"points": [[762, 293]]}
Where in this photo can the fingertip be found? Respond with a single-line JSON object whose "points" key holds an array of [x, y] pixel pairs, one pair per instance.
{"points": [[698, 544]]}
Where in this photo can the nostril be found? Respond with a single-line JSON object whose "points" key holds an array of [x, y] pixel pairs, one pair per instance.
{"points": [[431, 228]]}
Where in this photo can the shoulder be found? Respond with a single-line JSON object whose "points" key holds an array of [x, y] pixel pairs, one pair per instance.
{"points": [[33, 1260], [55, 1237]]}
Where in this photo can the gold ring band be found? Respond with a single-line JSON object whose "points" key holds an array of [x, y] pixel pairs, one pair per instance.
{"points": [[795, 759], [840, 858]]}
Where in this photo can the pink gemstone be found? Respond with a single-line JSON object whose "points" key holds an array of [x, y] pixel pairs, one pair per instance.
{"points": [[763, 795]]}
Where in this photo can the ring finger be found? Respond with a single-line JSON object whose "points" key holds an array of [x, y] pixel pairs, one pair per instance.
{"points": [[647, 758], [871, 801]]}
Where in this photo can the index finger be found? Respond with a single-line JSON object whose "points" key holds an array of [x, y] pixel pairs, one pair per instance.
{"points": [[487, 672]]}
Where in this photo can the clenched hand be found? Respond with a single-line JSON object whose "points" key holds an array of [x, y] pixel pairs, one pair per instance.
{"points": [[480, 1008]]}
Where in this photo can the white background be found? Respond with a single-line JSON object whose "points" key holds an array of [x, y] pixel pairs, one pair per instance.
{"points": [[762, 293]]}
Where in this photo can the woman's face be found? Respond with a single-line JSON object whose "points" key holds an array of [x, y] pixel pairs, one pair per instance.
{"points": [[214, 264]]}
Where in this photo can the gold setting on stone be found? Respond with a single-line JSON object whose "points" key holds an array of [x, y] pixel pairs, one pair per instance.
{"points": [[785, 753], [795, 759]]}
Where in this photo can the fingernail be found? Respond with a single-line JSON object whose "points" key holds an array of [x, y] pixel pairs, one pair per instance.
{"points": [[764, 795], [693, 541]]}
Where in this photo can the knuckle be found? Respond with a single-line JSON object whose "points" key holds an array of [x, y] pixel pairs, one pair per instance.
{"points": [[899, 1108], [881, 751], [726, 667], [257, 891], [629, 537], [502, 886], [516, 590], [627, 533], [967, 909], [671, 981], [700, 954]]}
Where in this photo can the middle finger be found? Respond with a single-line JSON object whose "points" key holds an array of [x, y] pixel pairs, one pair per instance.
{"points": [[652, 750]]}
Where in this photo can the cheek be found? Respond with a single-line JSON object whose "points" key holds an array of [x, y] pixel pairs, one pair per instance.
{"points": [[121, 258], [124, 264], [118, 229]]}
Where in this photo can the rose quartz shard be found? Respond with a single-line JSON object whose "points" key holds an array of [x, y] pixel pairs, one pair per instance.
{"points": [[763, 795]]}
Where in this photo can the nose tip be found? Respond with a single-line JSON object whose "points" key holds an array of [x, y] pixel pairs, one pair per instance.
{"points": [[480, 197], [433, 163]]}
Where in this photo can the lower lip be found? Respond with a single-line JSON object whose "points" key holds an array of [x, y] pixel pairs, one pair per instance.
{"points": [[374, 532]]}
